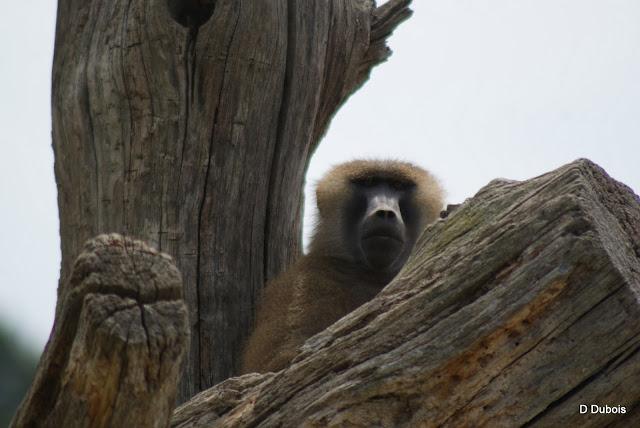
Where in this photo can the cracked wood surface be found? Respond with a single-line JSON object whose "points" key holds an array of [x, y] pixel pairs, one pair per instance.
{"points": [[115, 353], [189, 124], [518, 307]]}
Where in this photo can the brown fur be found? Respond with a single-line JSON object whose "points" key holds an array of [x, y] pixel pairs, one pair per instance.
{"points": [[326, 284]]}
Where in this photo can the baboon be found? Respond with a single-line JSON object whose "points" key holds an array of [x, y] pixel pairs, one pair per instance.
{"points": [[370, 213]]}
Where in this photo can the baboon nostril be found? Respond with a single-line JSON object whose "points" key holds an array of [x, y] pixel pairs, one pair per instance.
{"points": [[385, 214]]}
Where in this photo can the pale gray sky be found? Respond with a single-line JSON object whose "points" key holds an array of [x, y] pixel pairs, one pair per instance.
{"points": [[476, 89]]}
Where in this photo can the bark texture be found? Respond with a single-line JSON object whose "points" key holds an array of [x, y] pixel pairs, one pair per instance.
{"points": [[114, 357], [189, 124], [521, 305]]}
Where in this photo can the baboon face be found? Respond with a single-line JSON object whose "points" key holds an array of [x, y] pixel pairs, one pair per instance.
{"points": [[372, 211], [380, 224]]}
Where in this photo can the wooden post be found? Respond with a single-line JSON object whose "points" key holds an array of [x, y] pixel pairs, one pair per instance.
{"points": [[121, 331]]}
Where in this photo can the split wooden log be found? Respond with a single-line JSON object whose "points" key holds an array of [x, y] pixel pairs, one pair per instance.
{"points": [[116, 349], [515, 310]]}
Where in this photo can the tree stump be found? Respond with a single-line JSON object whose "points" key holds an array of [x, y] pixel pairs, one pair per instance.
{"points": [[119, 338], [190, 124], [520, 306]]}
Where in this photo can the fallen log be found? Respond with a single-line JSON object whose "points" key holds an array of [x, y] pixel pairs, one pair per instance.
{"points": [[517, 309], [115, 353]]}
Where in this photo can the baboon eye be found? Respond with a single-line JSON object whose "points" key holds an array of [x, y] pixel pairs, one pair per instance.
{"points": [[366, 181], [401, 185]]}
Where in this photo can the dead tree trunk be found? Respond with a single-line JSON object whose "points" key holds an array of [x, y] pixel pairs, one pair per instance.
{"points": [[189, 124], [115, 354], [515, 310]]}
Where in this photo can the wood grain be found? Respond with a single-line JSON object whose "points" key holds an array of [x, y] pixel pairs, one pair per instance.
{"points": [[190, 124], [114, 356], [518, 307]]}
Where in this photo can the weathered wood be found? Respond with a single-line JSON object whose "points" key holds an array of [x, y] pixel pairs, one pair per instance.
{"points": [[190, 124], [119, 338], [520, 306]]}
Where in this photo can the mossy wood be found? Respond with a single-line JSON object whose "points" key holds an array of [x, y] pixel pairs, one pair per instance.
{"points": [[519, 307]]}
